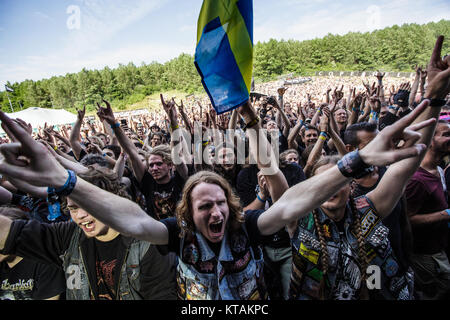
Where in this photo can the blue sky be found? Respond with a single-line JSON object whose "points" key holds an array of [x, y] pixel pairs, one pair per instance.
{"points": [[41, 39]]}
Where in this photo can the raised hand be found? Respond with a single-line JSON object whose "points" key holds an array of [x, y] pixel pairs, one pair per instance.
{"points": [[380, 75], [106, 114], [29, 160], [282, 91], [169, 108], [383, 149], [375, 103], [81, 113], [438, 73]]}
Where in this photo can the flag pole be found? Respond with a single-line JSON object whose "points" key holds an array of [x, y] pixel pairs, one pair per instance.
{"points": [[12, 110]]}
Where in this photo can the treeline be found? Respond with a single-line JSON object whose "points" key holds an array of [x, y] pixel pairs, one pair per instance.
{"points": [[390, 49]]}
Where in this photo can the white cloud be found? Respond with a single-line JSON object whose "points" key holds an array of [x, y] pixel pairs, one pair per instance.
{"points": [[306, 19]]}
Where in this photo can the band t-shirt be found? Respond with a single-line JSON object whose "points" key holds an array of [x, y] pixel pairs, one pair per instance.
{"points": [[107, 268], [30, 280], [104, 261], [161, 199]]}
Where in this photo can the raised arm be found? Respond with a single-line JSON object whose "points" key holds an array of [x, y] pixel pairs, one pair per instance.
{"points": [[171, 111], [262, 152], [74, 138], [302, 198], [393, 183], [316, 152], [415, 86], [41, 169], [106, 114]]}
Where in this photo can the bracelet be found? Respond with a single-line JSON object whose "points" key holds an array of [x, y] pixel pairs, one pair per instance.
{"points": [[67, 188], [251, 123], [115, 125], [352, 166], [259, 198]]}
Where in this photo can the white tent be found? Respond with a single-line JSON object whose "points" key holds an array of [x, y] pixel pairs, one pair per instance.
{"points": [[37, 117]]}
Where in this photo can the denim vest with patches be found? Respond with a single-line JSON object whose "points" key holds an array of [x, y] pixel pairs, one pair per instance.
{"points": [[237, 274], [78, 282], [342, 282]]}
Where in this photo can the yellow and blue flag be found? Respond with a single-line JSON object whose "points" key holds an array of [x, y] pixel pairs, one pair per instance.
{"points": [[224, 52]]}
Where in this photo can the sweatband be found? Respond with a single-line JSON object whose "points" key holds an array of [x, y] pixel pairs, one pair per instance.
{"points": [[352, 166], [67, 188]]}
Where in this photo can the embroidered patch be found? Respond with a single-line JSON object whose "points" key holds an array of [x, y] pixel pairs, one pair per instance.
{"points": [[326, 232], [196, 291], [190, 254], [309, 254], [298, 261], [247, 289], [397, 283], [238, 242], [368, 222], [316, 274], [390, 267], [361, 202]]}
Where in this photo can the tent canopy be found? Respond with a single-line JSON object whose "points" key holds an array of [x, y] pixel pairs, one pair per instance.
{"points": [[37, 117]]}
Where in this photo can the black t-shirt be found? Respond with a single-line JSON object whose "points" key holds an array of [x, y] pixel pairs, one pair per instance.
{"points": [[104, 266], [251, 218], [246, 188], [30, 280], [161, 199], [404, 112]]}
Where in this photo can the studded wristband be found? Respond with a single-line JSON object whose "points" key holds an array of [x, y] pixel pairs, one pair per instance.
{"points": [[352, 166]]}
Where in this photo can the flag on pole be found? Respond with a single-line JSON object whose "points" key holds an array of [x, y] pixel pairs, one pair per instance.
{"points": [[8, 89], [224, 52]]}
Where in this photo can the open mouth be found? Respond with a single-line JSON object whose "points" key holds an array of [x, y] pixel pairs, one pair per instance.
{"points": [[216, 227], [88, 225]]}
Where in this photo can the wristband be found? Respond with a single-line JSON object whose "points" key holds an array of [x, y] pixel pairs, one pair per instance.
{"points": [[323, 136], [374, 116], [352, 166], [251, 123], [259, 198], [448, 211], [302, 123], [115, 125], [175, 127], [356, 109], [437, 102], [67, 188]]}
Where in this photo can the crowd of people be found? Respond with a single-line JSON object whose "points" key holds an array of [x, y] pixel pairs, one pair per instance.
{"points": [[332, 189]]}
